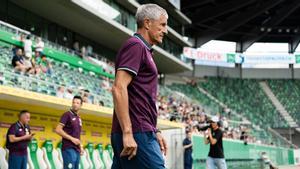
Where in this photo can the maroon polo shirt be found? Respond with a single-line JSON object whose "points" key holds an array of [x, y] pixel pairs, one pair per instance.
{"points": [[135, 57], [20, 147], [72, 126]]}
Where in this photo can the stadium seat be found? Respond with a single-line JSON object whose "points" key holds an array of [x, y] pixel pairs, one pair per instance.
{"points": [[3, 161], [85, 163], [89, 151], [51, 155], [107, 156], [36, 156], [99, 155]]}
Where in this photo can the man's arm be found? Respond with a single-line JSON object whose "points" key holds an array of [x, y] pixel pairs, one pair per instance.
{"points": [[187, 146], [212, 140], [59, 130], [120, 97], [12, 138]]}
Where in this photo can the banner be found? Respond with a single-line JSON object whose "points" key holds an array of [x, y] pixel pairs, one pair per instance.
{"points": [[203, 57], [269, 59]]}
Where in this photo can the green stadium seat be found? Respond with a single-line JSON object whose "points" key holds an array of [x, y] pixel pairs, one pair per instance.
{"points": [[99, 156], [3, 157], [85, 162], [51, 155], [35, 156]]}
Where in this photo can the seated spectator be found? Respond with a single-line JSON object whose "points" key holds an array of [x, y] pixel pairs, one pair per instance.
{"points": [[86, 97], [105, 84], [60, 92], [39, 45], [18, 62], [69, 94], [44, 65]]}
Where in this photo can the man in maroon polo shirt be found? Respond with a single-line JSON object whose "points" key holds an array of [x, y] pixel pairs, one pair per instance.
{"points": [[69, 128], [18, 137], [135, 140]]}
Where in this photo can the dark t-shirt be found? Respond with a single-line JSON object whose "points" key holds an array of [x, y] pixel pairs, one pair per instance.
{"points": [[135, 57], [216, 151], [17, 59], [72, 126], [20, 147], [187, 152]]}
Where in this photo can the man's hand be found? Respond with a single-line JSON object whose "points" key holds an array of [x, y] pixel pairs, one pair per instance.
{"points": [[28, 136], [75, 141], [129, 146], [162, 143], [81, 150]]}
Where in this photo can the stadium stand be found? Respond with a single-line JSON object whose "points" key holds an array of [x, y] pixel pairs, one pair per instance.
{"points": [[177, 102], [288, 93]]}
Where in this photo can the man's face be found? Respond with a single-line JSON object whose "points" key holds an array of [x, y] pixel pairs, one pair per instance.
{"points": [[19, 52], [25, 118], [189, 135], [214, 125], [76, 104], [157, 29]]}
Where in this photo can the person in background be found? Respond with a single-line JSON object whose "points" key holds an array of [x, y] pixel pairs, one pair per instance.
{"points": [[60, 92], [28, 51], [17, 138], [69, 128], [105, 84], [69, 94], [213, 136], [187, 146], [18, 61], [39, 45], [76, 48], [83, 53], [44, 65]]}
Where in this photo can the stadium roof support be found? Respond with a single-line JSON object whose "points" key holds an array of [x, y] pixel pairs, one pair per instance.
{"points": [[293, 44], [282, 13], [215, 11], [234, 21]]}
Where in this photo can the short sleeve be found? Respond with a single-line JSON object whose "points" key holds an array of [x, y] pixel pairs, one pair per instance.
{"points": [[64, 119], [130, 58], [218, 135], [186, 142], [11, 130]]}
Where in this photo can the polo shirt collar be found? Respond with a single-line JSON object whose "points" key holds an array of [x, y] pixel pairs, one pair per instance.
{"points": [[147, 44], [20, 124], [75, 114]]}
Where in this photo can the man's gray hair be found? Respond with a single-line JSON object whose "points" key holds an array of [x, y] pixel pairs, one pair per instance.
{"points": [[150, 11]]}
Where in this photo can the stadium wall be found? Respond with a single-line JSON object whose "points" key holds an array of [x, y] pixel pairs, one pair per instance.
{"points": [[236, 150]]}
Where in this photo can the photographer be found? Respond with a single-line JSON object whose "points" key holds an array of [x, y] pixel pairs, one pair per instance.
{"points": [[213, 136]]}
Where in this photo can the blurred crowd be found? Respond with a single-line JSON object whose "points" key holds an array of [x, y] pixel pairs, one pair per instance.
{"points": [[196, 119]]}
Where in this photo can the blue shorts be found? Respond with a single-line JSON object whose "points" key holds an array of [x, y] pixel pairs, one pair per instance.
{"points": [[17, 162], [71, 158], [148, 156]]}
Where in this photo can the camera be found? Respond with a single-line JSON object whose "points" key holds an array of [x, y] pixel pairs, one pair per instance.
{"points": [[204, 126]]}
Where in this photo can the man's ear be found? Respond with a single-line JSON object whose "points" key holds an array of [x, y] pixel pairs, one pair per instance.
{"points": [[147, 23]]}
